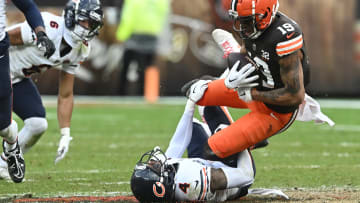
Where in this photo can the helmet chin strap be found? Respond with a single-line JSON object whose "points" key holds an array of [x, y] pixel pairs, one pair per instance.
{"points": [[71, 38]]}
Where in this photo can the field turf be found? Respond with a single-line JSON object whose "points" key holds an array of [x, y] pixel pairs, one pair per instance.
{"points": [[109, 139]]}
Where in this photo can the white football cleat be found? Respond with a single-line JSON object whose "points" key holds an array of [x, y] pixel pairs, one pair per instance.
{"points": [[226, 42]]}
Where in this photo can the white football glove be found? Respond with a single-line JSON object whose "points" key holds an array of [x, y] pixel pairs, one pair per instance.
{"points": [[63, 144], [197, 90], [239, 78], [226, 41], [245, 94]]}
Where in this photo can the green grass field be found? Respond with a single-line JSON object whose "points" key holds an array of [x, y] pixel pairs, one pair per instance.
{"points": [[109, 139]]}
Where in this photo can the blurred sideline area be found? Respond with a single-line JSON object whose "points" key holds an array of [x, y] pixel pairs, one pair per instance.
{"points": [[187, 51]]}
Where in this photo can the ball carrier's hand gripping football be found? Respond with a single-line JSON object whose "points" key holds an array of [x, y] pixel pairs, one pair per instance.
{"points": [[241, 80], [240, 77], [63, 144]]}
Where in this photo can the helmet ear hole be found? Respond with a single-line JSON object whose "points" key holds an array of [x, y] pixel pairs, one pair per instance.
{"points": [[69, 15]]}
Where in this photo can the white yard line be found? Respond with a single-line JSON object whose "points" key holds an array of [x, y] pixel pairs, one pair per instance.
{"points": [[341, 127]]}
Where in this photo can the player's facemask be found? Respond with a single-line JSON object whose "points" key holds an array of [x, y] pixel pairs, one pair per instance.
{"points": [[246, 26], [94, 24]]}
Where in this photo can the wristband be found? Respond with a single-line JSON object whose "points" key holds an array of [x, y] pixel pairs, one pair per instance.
{"points": [[65, 131]]}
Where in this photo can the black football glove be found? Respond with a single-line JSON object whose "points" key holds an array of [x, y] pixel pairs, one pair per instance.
{"points": [[45, 44]]}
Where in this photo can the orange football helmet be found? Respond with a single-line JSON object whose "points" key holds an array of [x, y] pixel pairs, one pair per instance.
{"points": [[251, 17]]}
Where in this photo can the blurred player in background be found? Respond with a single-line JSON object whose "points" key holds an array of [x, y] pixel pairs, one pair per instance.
{"points": [[8, 129], [275, 43], [142, 21], [71, 34]]}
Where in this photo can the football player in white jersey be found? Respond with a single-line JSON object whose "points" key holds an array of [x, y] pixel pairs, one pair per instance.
{"points": [[8, 129], [71, 34], [168, 177]]}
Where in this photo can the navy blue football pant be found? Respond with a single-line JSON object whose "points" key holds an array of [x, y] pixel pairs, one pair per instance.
{"points": [[5, 85], [214, 116], [27, 100]]}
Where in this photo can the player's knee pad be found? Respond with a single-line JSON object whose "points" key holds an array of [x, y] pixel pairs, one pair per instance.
{"points": [[10, 132], [36, 125], [31, 132]]}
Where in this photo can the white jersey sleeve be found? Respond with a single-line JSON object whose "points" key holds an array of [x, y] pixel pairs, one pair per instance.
{"points": [[27, 34], [183, 133]]}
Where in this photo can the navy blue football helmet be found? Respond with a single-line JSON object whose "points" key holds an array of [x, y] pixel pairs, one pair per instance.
{"points": [[84, 10], [153, 179]]}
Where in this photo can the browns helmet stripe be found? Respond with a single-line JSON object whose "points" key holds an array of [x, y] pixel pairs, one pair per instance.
{"points": [[234, 5], [253, 7]]}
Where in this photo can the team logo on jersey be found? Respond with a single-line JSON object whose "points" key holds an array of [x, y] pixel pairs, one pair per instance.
{"points": [[265, 55], [160, 186], [254, 47]]}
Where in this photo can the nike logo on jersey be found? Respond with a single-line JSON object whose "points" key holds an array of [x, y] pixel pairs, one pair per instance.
{"points": [[2, 56], [288, 36]]}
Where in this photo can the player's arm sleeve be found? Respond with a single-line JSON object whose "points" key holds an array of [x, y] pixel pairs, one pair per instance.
{"points": [[243, 175], [31, 12], [183, 133], [289, 46], [27, 34]]}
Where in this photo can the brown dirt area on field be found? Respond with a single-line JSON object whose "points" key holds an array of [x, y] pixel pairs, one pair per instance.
{"points": [[312, 196], [295, 195]]}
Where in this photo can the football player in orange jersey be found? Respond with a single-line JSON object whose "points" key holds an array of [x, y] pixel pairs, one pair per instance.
{"points": [[275, 43]]}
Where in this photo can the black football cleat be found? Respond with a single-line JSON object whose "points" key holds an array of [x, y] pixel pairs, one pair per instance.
{"points": [[16, 163]]}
